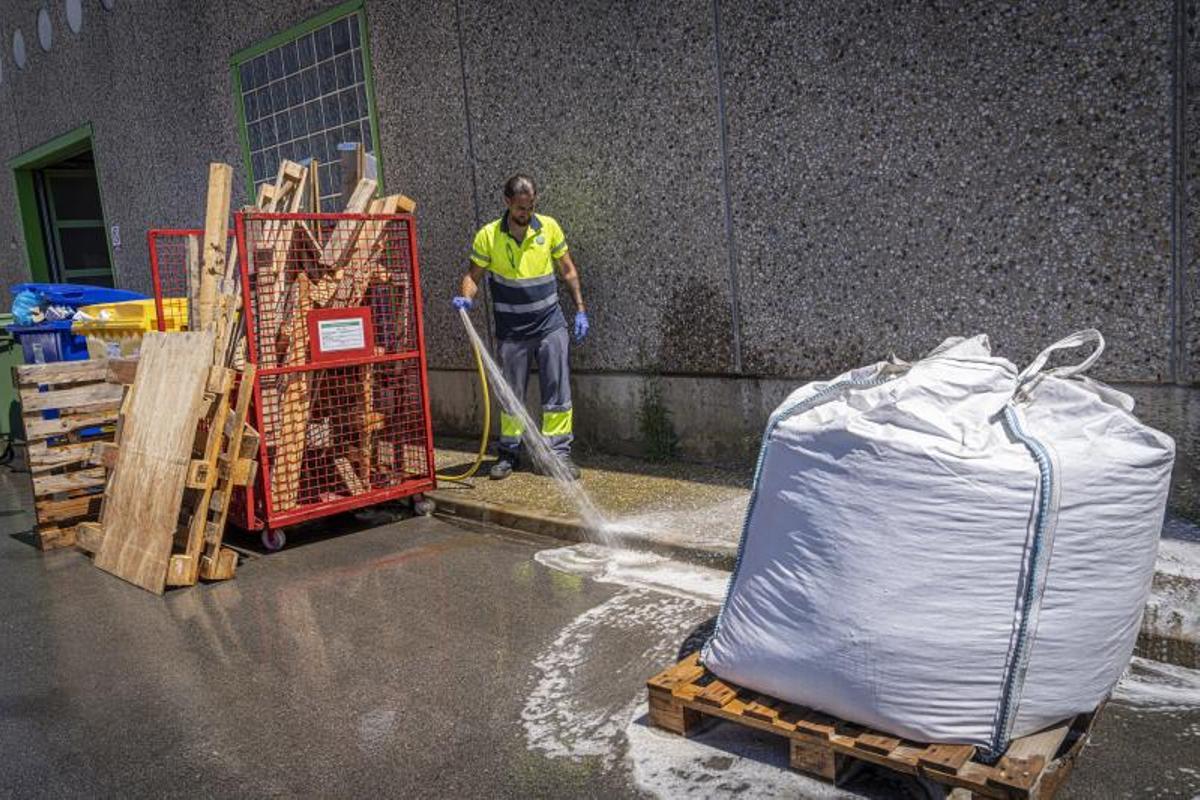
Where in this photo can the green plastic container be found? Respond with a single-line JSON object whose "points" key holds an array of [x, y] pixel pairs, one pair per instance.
{"points": [[10, 356]]}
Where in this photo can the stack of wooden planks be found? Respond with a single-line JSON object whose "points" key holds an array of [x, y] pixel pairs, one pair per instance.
{"points": [[66, 407], [182, 442], [136, 460]]}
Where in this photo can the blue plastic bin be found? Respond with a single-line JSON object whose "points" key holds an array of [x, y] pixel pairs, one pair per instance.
{"points": [[56, 340], [77, 294]]}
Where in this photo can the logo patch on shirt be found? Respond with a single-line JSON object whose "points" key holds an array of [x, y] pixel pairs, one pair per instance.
{"points": [[541, 240]]}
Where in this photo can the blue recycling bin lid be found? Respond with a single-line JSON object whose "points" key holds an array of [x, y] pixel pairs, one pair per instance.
{"points": [[77, 294], [42, 327]]}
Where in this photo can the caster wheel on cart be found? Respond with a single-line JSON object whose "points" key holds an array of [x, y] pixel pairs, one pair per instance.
{"points": [[424, 506], [273, 540]]}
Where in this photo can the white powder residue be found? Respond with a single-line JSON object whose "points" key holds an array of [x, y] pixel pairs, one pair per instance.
{"points": [[1158, 686], [1179, 558], [584, 694], [638, 570], [722, 761]]}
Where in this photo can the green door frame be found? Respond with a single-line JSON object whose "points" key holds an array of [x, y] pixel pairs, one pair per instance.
{"points": [[69, 144], [57, 226]]}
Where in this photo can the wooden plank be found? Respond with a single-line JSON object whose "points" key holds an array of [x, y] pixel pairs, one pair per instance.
{"points": [[191, 246], [59, 372], [216, 236], [345, 287], [219, 568], [52, 538], [121, 371], [89, 536], [351, 157], [179, 570], [68, 481], [312, 202], [342, 239], [37, 429], [345, 471], [1023, 762], [200, 475], [92, 397], [104, 454], [43, 458], [293, 408], [69, 508], [815, 757], [717, 693], [240, 474], [250, 441], [763, 707], [943, 758], [197, 528], [220, 379], [366, 434], [142, 504], [875, 743]]}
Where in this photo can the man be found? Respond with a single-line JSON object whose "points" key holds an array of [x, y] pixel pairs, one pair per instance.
{"points": [[520, 251]]}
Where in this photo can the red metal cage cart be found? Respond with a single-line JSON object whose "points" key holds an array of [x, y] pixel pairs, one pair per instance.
{"points": [[332, 313]]}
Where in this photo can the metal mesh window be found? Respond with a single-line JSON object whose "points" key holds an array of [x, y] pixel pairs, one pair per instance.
{"points": [[305, 97]]}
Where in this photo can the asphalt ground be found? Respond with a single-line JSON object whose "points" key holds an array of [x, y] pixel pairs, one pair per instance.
{"points": [[416, 658]]}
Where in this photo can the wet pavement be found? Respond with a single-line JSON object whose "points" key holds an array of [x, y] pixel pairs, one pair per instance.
{"points": [[416, 659], [619, 486]]}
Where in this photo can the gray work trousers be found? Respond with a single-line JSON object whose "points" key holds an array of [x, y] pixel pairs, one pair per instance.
{"points": [[554, 380]]}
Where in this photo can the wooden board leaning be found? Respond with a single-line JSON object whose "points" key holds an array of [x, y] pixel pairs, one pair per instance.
{"points": [[158, 427]]}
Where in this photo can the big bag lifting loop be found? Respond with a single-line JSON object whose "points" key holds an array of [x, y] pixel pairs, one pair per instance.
{"points": [[1077, 339]]}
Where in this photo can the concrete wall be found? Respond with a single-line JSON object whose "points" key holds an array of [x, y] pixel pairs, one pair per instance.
{"points": [[757, 192]]}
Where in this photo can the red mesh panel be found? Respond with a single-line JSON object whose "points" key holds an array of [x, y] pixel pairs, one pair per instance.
{"points": [[334, 327], [171, 252]]}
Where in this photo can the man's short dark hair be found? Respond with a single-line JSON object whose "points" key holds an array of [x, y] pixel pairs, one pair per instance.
{"points": [[519, 184]]}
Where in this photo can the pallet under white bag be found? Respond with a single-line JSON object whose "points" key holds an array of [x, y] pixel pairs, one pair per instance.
{"points": [[948, 551]]}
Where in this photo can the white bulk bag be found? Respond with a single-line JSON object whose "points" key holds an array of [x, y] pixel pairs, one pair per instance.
{"points": [[948, 551]]}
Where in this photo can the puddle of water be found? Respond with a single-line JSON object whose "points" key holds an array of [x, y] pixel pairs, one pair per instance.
{"points": [[638, 570], [1158, 686]]}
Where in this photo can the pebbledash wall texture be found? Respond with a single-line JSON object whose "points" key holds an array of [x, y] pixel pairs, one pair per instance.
{"points": [[757, 193]]}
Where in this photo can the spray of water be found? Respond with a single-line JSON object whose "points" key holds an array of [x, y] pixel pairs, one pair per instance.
{"points": [[537, 445]]}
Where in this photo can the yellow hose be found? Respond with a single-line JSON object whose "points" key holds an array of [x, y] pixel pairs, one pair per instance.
{"points": [[487, 423]]}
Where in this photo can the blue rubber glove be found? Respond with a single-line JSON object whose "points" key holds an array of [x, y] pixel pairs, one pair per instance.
{"points": [[461, 302], [581, 325]]}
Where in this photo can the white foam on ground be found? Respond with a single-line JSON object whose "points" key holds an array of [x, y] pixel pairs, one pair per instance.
{"points": [[1179, 557], [1158, 686], [639, 570], [724, 761], [582, 697]]}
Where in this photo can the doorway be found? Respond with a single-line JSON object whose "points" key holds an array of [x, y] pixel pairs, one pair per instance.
{"points": [[61, 212]]}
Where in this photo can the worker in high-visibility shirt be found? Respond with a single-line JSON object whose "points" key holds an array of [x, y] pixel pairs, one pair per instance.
{"points": [[519, 252]]}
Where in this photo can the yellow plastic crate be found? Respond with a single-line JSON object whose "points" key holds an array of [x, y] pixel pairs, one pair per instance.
{"points": [[116, 329]]}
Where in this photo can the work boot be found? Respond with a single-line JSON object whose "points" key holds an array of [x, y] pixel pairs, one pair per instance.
{"points": [[501, 469]]}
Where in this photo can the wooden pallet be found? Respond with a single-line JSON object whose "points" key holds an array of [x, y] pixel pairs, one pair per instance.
{"points": [[67, 486], [686, 696], [223, 457]]}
